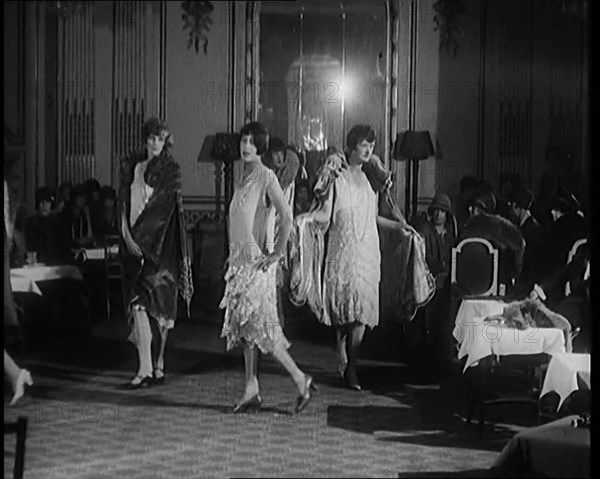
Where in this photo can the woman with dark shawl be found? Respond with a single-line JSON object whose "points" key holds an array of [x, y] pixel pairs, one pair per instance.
{"points": [[156, 263]]}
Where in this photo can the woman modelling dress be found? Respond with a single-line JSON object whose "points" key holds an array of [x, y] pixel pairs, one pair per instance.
{"points": [[250, 294], [347, 206], [156, 263]]}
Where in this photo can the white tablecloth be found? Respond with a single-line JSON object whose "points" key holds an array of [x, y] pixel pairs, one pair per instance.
{"points": [[479, 339], [561, 376], [24, 279], [470, 312]]}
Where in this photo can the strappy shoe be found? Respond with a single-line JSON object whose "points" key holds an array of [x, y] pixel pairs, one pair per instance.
{"points": [[254, 403], [351, 382], [159, 377], [303, 400], [139, 382]]}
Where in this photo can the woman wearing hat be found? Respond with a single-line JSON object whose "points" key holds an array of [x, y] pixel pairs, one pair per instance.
{"points": [[438, 229]]}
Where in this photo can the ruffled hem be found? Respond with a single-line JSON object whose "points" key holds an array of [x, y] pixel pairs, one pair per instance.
{"points": [[250, 305]]}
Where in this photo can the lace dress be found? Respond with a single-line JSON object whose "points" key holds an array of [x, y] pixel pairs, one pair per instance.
{"points": [[250, 300], [352, 264]]}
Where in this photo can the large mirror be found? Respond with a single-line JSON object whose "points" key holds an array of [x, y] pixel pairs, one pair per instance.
{"points": [[320, 68]]}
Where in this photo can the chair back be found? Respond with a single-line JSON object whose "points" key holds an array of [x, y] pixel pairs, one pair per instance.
{"points": [[474, 269], [574, 249]]}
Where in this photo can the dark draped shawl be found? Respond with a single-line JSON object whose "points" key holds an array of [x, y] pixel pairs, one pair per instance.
{"points": [[160, 233]]}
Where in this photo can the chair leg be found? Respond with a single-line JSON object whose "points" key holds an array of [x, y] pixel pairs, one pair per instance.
{"points": [[20, 449]]}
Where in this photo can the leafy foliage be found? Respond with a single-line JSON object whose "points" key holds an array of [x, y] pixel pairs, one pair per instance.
{"points": [[197, 18], [448, 23]]}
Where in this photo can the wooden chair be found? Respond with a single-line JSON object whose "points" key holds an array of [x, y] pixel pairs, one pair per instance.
{"points": [[20, 429], [529, 371], [474, 269]]}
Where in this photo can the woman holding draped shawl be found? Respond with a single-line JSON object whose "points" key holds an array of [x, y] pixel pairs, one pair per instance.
{"points": [[346, 294], [250, 294], [346, 207], [156, 263]]}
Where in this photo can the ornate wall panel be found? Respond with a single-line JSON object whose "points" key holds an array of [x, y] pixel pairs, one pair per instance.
{"points": [[77, 96], [130, 92], [507, 91]]}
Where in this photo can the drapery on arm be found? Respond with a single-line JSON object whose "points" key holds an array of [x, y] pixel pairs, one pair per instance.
{"points": [[151, 227], [308, 243], [277, 198]]}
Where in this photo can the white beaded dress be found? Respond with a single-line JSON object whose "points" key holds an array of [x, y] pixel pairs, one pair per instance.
{"points": [[352, 263], [250, 300]]}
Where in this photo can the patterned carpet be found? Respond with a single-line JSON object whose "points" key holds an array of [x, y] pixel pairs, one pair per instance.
{"points": [[82, 424]]}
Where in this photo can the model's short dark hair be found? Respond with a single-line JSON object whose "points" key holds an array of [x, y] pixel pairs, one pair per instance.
{"points": [[259, 133], [359, 133], [156, 126]]}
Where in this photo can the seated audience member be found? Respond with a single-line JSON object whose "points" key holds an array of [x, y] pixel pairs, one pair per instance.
{"points": [[63, 194], [566, 228], [438, 229], [575, 306], [75, 230], [439, 232], [92, 196], [41, 229], [285, 163], [302, 198], [509, 183], [520, 204], [500, 232], [104, 222]]}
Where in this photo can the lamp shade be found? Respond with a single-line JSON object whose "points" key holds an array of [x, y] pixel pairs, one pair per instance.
{"points": [[413, 144]]}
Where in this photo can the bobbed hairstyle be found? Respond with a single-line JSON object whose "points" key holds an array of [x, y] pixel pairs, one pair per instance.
{"points": [[260, 136], [359, 133]]}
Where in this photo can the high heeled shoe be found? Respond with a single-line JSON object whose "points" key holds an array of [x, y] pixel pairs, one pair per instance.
{"points": [[303, 400], [23, 379], [145, 382], [158, 380], [352, 382], [254, 403]]}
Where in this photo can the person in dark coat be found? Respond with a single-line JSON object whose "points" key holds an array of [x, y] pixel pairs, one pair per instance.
{"points": [[155, 257], [520, 203], [438, 229], [41, 229], [567, 227], [574, 303], [500, 232]]}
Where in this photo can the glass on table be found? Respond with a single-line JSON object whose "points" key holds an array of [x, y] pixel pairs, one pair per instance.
{"points": [[31, 258]]}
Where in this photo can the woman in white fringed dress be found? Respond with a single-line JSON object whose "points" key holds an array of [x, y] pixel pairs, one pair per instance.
{"points": [[348, 208], [250, 294]]}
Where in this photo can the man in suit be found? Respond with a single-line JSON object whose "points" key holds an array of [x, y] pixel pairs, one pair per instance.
{"points": [[520, 204]]}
